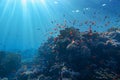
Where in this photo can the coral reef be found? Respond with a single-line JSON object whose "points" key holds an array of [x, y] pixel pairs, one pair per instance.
{"points": [[72, 55], [75, 55]]}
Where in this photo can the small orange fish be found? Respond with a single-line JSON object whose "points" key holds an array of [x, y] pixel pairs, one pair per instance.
{"points": [[51, 32], [62, 26], [55, 39], [90, 34], [71, 32]]}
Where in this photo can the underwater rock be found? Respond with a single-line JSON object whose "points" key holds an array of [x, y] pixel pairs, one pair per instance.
{"points": [[69, 74], [112, 64], [105, 74], [9, 63], [28, 55], [2, 55], [115, 35], [65, 73], [85, 52], [113, 29], [66, 79], [43, 77], [75, 75], [4, 79]]}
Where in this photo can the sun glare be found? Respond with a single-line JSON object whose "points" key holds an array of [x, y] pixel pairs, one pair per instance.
{"points": [[42, 1], [23, 2], [33, 1]]}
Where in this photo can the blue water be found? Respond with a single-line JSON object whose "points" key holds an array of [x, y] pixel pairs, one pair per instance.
{"points": [[25, 24]]}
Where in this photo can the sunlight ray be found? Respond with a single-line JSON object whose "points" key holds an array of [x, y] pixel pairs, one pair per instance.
{"points": [[5, 7], [14, 7]]}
